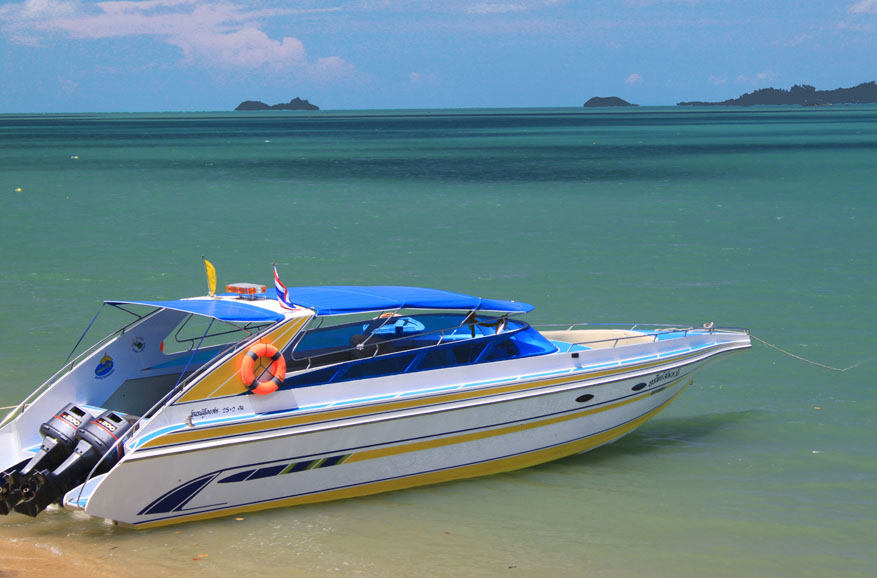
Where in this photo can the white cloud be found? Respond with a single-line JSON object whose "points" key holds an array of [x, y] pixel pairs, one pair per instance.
{"points": [[248, 47], [633, 80], [757, 80], [800, 39], [20, 22], [496, 7], [212, 34], [863, 7], [69, 86], [647, 3], [423, 79], [46, 8], [504, 6], [330, 68]]}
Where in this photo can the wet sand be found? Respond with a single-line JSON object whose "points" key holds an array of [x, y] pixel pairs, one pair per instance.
{"points": [[25, 558]]}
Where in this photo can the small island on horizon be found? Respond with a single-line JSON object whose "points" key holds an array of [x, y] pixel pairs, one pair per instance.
{"points": [[800, 94], [294, 104], [601, 101]]}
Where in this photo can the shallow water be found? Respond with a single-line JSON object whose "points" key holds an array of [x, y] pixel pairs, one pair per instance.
{"points": [[763, 218]]}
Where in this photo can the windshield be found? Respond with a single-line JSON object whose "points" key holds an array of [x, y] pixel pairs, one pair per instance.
{"points": [[196, 332]]}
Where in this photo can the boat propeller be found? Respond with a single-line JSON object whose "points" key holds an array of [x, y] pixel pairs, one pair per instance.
{"points": [[84, 441]]}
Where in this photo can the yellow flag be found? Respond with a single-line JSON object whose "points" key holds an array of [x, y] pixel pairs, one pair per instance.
{"points": [[211, 277]]}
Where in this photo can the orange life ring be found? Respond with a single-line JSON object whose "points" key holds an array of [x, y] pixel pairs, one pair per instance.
{"points": [[278, 369]]}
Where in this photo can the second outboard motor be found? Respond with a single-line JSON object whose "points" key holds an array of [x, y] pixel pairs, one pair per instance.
{"points": [[96, 437], [59, 438]]}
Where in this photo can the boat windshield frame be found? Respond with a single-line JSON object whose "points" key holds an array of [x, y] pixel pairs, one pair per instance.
{"points": [[73, 359], [385, 337]]}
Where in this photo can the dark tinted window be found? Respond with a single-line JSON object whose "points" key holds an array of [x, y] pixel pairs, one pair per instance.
{"points": [[374, 367], [522, 343]]}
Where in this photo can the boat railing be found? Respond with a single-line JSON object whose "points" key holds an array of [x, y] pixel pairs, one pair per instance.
{"points": [[72, 362], [651, 331], [9, 409], [68, 366], [175, 391]]}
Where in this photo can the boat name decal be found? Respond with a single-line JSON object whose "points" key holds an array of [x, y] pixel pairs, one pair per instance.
{"points": [[104, 368], [663, 387], [216, 411], [664, 377]]}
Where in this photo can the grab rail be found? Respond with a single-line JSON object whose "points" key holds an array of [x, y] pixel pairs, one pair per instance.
{"points": [[178, 389], [653, 330]]}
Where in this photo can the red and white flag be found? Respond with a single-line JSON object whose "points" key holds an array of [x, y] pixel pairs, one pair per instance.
{"points": [[282, 292]]}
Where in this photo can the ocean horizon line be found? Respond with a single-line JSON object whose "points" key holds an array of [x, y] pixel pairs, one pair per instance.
{"points": [[579, 108]]}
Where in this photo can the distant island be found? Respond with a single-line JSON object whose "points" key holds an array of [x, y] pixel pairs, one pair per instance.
{"points": [[599, 101], [800, 94], [294, 104]]}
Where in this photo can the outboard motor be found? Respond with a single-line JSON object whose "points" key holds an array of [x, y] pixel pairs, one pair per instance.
{"points": [[59, 438], [96, 437]]}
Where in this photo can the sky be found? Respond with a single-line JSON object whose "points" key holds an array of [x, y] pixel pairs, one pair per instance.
{"points": [[198, 55]]}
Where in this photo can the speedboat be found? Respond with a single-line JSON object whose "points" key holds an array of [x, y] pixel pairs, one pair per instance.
{"points": [[269, 397]]}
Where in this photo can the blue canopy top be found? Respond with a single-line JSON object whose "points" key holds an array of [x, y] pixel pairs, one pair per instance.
{"points": [[233, 311], [340, 299]]}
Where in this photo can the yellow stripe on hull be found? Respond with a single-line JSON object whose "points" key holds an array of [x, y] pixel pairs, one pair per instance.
{"points": [[430, 444], [468, 471]]}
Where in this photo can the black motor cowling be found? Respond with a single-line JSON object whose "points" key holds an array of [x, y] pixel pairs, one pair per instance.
{"points": [[59, 438], [96, 439]]}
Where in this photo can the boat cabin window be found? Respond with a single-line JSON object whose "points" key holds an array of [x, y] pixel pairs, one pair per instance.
{"points": [[407, 344]]}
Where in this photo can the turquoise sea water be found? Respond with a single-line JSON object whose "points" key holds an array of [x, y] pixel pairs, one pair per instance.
{"points": [[764, 218]]}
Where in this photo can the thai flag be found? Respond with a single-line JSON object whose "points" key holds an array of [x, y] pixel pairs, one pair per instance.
{"points": [[282, 292]]}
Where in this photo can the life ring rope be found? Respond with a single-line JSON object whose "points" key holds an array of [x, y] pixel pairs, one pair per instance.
{"points": [[277, 369]]}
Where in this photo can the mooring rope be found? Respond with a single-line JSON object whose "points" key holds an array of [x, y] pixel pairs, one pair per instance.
{"points": [[772, 346], [8, 407]]}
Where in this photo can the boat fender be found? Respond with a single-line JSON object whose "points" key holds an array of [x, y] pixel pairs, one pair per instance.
{"points": [[278, 369]]}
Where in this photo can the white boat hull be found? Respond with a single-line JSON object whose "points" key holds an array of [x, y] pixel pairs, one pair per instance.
{"points": [[372, 389], [380, 447]]}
